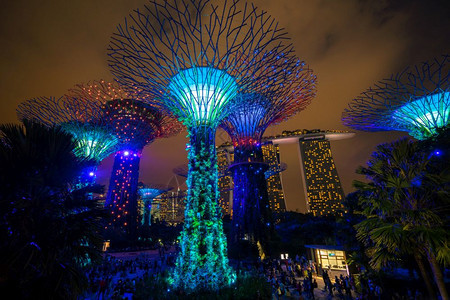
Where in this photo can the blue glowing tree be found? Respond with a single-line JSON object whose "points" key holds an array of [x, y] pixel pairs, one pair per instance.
{"points": [[147, 194], [246, 123], [135, 124], [416, 100], [93, 134], [195, 57]]}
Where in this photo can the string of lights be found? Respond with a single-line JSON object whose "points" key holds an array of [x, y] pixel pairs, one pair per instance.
{"points": [[246, 123], [135, 124], [194, 57], [93, 135]]}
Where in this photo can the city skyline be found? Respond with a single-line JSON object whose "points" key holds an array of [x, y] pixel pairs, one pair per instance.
{"points": [[48, 47]]}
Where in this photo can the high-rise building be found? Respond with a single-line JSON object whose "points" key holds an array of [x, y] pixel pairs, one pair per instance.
{"points": [[271, 153], [146, 200], [224, 159], [322, 186], [169, 207]]}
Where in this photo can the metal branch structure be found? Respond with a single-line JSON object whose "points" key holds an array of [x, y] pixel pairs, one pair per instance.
{"points": [[416, 100], [93, 134], [194, 57], [136, 124], [246, 123], [147, 194]]}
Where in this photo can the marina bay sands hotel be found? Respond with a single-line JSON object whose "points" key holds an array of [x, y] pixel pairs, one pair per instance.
{"points": [[321, 184], [322, 187]]}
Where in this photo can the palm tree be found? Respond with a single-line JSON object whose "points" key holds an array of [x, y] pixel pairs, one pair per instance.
{"points": [[405, 205], [47, 229]]}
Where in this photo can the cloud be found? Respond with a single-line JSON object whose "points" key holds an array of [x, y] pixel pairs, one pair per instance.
{"points": [[48, 46]]}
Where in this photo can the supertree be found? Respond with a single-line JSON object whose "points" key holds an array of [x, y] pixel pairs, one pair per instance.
{"points": [[136, 124], [195, 57], [183, 171], [273, 169], [246, 123], [416, 100], [147, 194], [93, 134], [224, 174]]}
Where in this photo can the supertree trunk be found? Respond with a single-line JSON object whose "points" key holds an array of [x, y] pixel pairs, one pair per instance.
{"points": [[202, 261], [252, 217], [146, 215], [122, 193]]}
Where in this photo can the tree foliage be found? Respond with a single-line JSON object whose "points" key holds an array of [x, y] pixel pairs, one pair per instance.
{"points": [[48, 230], [406, 203]]}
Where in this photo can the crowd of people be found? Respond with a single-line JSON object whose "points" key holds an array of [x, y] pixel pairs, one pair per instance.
{"points": [[341, 284], [118, 277], [297, 279]]}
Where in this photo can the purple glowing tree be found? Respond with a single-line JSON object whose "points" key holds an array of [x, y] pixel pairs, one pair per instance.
{"points": [[195, 57], [246, 123], [136, 124]]}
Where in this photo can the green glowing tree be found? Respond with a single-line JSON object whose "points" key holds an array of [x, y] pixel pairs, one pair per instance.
{"points": [[416, 100], [194, 57], [92, 133]]}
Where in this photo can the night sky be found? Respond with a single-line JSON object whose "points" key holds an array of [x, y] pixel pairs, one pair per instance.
{"points": [[48, 46]]}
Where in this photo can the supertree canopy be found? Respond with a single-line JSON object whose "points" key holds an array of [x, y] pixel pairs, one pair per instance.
{"points": [[93, 134], [246, 123], [136, 123], [147, 194], [416, 100], [195, 57]]}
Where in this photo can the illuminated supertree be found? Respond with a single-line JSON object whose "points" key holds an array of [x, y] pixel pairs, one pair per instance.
{"points": [[416, 100], [195, 57], [183, 171], [273, 169], [93, 134], [246, 123], [147, 194], [135, 124]]}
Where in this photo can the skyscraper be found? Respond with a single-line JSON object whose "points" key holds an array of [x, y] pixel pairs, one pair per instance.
{"points": [[271, 154], [166, 207], [322, 186], [146, 201], [169, 207], [224, 157]]}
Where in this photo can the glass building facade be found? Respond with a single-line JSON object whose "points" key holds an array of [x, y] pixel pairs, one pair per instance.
{"points": [[323, 189], [271, 154]]}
